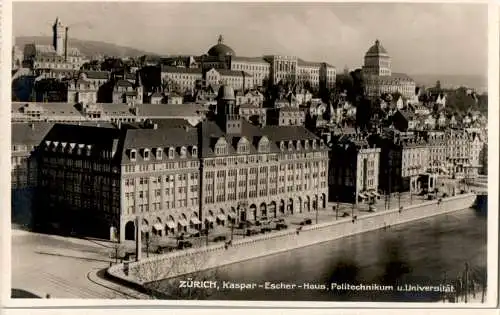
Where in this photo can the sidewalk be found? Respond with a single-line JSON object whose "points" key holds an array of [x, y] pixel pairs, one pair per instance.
{"points": [[97, 277]]}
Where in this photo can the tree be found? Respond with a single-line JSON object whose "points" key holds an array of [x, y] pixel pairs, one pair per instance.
{"points": [[191, 267]]}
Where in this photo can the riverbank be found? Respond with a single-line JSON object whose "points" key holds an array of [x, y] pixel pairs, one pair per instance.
{"points": [[137, 274]]}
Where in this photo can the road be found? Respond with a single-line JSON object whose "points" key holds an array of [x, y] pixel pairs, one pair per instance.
{"points": [[62, 267]]}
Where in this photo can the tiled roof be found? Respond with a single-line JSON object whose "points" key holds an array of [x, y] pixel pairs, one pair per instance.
{"points": [[29, 133], [170, 110], [97, 75], [123, 83], [301, 62], [249, 59], [113, 109], [61, 109], [180, 70]]}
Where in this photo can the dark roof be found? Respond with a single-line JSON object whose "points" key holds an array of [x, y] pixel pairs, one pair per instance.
{"points": [[124, 83], [376, 49], [250, 59], [221, 50], [29, 133], [180, 70], [97, 75]]}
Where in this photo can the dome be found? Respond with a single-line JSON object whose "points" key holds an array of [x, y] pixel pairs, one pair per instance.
{"points": [[377, 49], [221, 50], [226, 93]]}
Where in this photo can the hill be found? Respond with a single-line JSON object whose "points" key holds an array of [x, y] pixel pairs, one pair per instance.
{"points": [[477, 82], [86, 47]]}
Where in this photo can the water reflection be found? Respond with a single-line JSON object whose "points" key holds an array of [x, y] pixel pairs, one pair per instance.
{"points": [[427, 252]]}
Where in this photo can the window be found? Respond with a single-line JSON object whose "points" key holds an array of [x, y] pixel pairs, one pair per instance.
{"points": [[159, 153], [194, 151], [133, 155], [171, 153], [146, 154], [282, 146], [183, 152]]}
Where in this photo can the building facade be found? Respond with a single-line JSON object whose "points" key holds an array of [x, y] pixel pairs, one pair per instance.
{"points": [[379, 78]]}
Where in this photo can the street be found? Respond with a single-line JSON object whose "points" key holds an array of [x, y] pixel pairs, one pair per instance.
{"points": [[62, 267]]}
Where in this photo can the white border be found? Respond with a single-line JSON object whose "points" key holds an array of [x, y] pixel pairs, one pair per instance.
{"points": [[493, 87]]}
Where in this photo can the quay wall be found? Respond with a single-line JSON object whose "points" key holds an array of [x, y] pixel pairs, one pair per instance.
{"points": [[197, 259]]}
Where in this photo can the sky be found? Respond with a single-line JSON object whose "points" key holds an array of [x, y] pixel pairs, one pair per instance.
{"points": [[448, 39]]}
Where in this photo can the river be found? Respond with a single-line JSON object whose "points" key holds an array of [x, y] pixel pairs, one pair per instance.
{"points": [[432, 251]]}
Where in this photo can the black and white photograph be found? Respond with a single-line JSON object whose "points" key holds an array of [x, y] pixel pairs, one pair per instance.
{"points": [[249, 151]]}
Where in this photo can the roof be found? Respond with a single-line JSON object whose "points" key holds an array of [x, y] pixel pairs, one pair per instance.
{"points": [[170, 69], [97, 75], [62, 109], [376, 50], [115, 109], [225, 72], [407, 114], [48, 50], [250, 59], [170, 110], [99, 138], [29, 133], [124, 83], [301, 62], [221, 50], [211, 132]]}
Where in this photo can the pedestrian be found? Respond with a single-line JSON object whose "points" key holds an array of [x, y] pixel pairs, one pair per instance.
{"points": [[47, 296]]}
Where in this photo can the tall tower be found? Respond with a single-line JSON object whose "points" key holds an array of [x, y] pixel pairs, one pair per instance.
{"points": [[377, 61], [58, 31], [228, 116]]}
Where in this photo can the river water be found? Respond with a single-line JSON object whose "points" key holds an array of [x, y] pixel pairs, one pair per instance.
{"points": [[432, 251]]}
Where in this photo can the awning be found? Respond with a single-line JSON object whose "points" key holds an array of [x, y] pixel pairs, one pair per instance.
{"points": [[221, 217], [182, 222], [171, 224], [376, 194], [362, 195], [232, 215], [444, 170], [158, 226], [195, 220], [145, 228], [210, 219]]}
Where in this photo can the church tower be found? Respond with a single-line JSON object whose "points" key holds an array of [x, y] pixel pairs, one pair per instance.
{"points": [[59, 35], [377, 61], [228, 116]]}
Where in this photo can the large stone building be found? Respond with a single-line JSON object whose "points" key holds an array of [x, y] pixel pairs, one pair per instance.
{"points": [[354, 169], [179, 178], [379, 78], [57, 56]]}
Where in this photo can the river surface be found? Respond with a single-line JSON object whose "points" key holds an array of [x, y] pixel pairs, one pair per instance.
{"points": [[432, 251]]}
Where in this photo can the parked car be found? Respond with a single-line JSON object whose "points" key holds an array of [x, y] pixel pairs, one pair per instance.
{"points": [[164, 249], [220, 238], [265, 228], [184, 244], [306, 221], [245, 224], [278, 224], [251, 231]]}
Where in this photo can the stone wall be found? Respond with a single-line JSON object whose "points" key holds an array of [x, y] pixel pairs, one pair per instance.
{"points": [[197, 259]]}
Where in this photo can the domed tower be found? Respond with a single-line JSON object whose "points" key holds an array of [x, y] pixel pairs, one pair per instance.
{"points": [[58, 40], [377, 61], [221, 50], [228, 116]]}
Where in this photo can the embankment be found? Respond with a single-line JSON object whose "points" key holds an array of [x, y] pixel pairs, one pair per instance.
{"points": [[197, 259]]}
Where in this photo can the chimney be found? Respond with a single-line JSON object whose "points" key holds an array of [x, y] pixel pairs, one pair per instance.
{"points": [[66, 45]]}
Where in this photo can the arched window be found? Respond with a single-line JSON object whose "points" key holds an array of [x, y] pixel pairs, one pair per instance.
{"points": [[314, 144], [221, 147], [306, 144], [194, 151], [183, 152], [146, 154], [159, 153], [133, 155], [171, 153], [264, 144], [282, 146], [290, 145], [243, 147], [298, 145]]}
